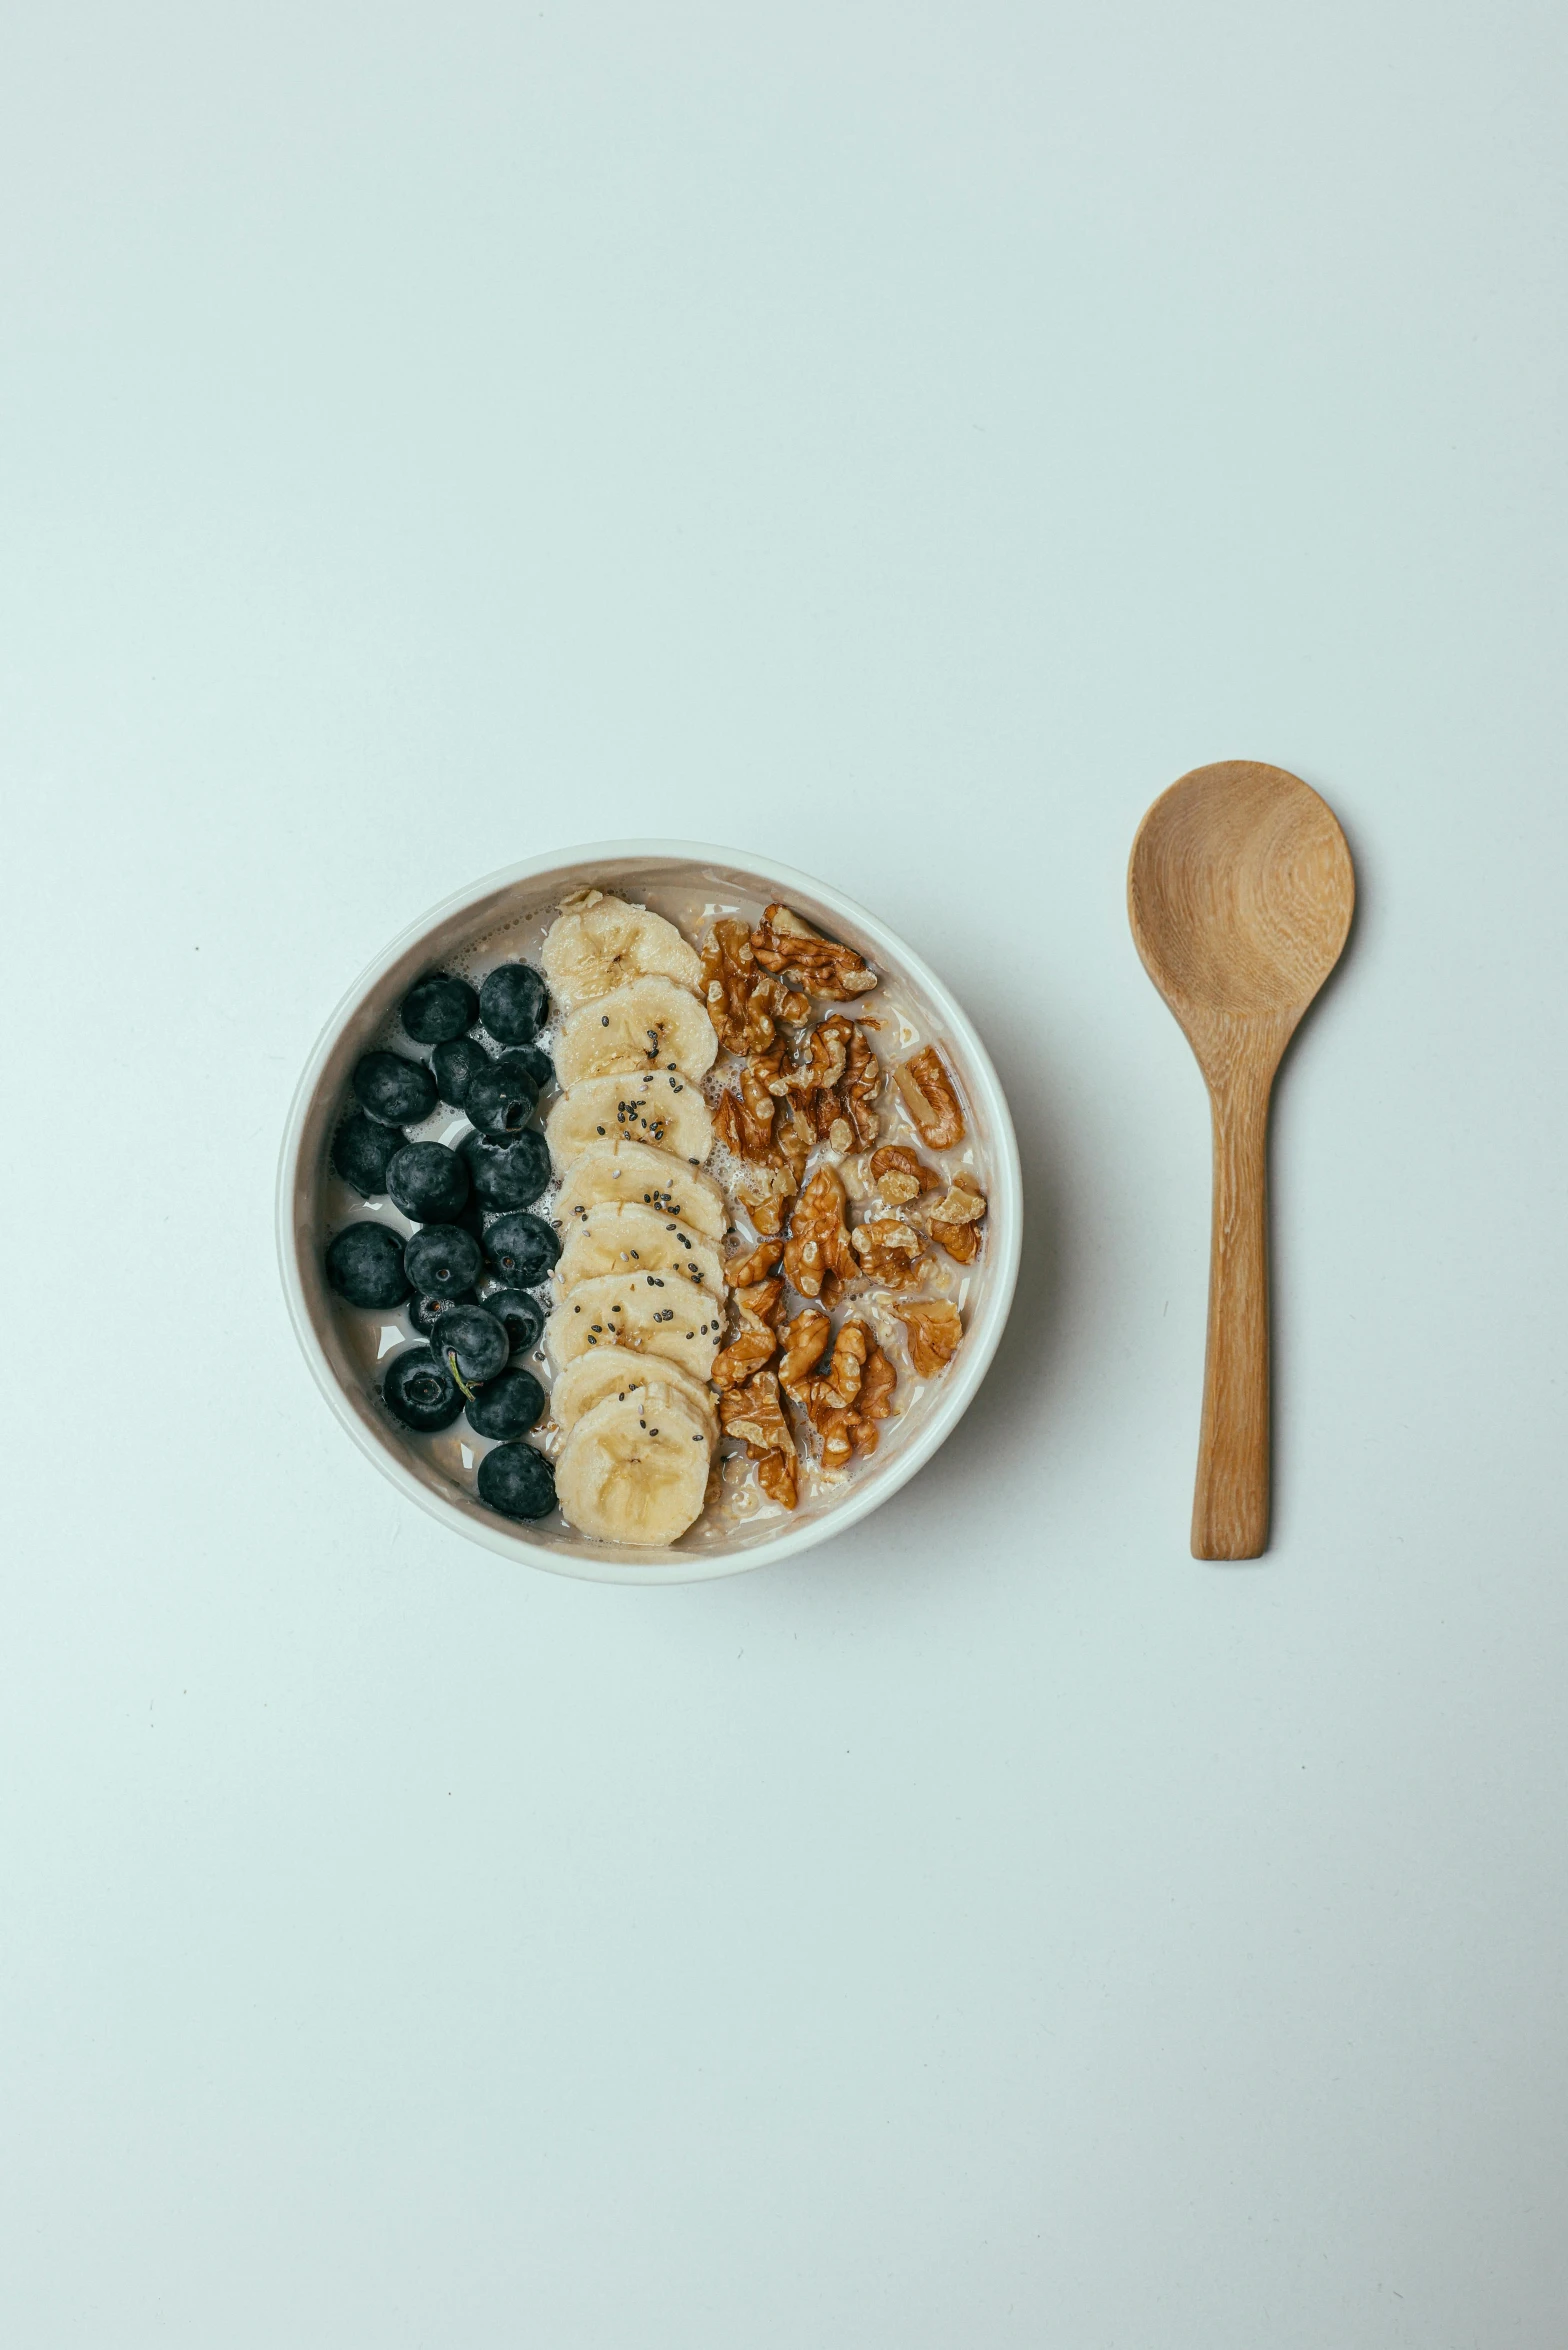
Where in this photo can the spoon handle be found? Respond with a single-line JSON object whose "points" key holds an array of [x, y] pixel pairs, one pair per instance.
{"points": [[1230, 1506]]}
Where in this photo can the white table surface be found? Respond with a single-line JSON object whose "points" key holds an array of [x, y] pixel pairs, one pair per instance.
{"points": [[902, 439]]}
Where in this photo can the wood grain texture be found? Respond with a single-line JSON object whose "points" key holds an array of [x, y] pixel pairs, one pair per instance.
{"points": [[1240, 892]]}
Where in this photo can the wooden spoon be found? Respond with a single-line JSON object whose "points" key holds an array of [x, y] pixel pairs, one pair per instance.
{"points": [[1239, 891]]}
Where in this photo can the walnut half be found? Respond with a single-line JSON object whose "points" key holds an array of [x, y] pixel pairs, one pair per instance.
{"points": [[804, 1343], [818, 1245], [765, 1194], [734, 1364], [955, 1219], [783, 943], [759, 1304], [934, 1328], [891, 1252], [900, 1176], [755, 1414], [931, 1098], [753, 1264], [743, 1121]]}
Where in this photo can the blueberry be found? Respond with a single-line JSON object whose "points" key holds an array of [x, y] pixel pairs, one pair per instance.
{"points": [[517, 1481], [437, 1008], [361, 1148], [420, 1390], [501, 1099], [365, 1265], [472, 1343], [513, 1002], [456, 1065], [523, 1247], [396, 1091], [428, 1182], [425, 1311], [442, 1261], [509, 1406], [508, 1173], [520, 1316], [533, 1061]]}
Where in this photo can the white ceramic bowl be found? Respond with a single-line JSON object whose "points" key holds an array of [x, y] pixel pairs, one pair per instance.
{"points": [[457, 931]]}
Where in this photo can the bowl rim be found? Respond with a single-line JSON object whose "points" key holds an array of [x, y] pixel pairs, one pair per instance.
{"points": [[1005, 1218]]}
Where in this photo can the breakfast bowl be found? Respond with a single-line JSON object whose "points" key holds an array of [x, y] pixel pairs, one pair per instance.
{"points": [[929, 1297]]}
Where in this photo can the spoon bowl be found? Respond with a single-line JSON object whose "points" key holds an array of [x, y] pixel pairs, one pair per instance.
{"points": [[1240, 891]]}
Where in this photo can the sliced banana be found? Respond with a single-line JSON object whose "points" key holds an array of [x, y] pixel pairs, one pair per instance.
{"points": [[649, 1024], [614, 1171], [648, 1313], [599, 943], [634, 1470], [640, 1285], [629, 1238], [667, 1111], [594, 1376]]}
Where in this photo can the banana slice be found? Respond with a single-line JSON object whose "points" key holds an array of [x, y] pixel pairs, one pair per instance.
{"points": [[599, 943], [634, 1471], [594, 1376], [649, 1313], [630, 1238], [614, 1171], [667, 1111], [650, 1024]]}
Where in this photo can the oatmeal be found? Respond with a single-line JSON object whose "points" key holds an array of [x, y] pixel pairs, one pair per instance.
{"points": [[759, 1196]]}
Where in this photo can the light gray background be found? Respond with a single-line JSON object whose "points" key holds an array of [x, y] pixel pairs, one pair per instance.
{"points": [[902, 439]]}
